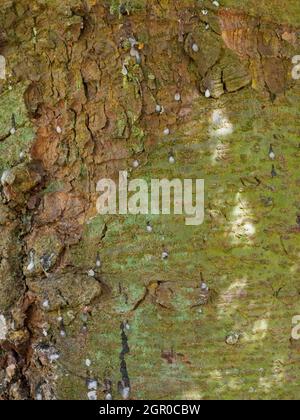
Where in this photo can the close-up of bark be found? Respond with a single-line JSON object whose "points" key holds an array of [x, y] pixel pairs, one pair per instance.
{"points": [[146, 307]]}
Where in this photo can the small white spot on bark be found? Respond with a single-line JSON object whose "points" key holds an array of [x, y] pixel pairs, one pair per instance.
{"points": [[124, 70], [158, 109], [53, 357], [98, 262], [165, 255], [126, 393], [207, 93], [46, 304], [204, 287], [177, 97], [92, 385], [232, 339], [195, 48]]}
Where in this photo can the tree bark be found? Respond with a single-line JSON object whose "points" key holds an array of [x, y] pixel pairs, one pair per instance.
{"points": [[92, 88]]}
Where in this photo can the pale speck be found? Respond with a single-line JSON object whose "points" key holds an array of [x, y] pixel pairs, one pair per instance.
{"points": [[92, 395], [39, 396], [98, 261], [124, 70], [91, 273], [273, 172], [45, 304], [218, 117], [88, 362], [7, 178], [177, 97], [31, 265], [204, 12], [92, 385], [12, 131], [232, 339], [126, 392], [53, 357], [135, 164], [171, 159], [204, 287], [108, 397], [271, 153], [149, 227], [158, 109], [207, 93], [165, 255], [195, 48], [166, 131], [222, 127], [58, 130]]}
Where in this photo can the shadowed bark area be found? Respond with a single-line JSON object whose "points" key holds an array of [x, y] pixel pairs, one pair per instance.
{"points": [[88, 306]]}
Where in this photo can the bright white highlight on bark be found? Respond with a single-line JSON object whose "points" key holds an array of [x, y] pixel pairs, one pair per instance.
{"points": [[3, 328]]}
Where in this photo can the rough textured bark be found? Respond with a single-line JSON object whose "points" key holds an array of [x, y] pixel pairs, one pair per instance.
{"points": [[83, 108]]}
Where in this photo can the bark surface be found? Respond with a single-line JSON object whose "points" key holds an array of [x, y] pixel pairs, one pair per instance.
{"points": [[79, 104]]}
